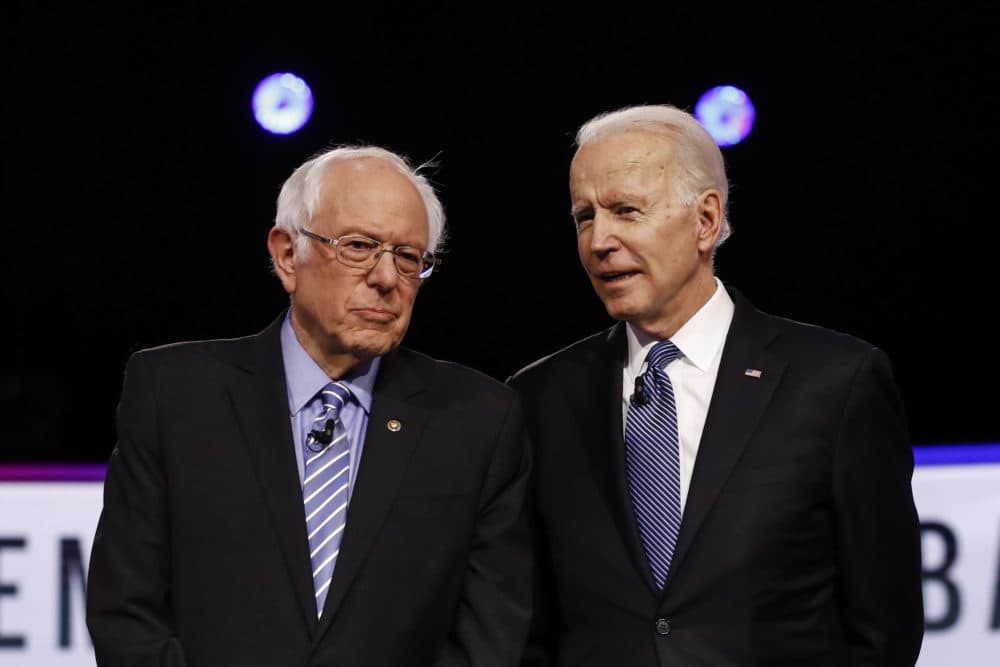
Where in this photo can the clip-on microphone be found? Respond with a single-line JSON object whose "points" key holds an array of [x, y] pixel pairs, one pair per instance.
{"points": [[639, 395], [324, 437]]}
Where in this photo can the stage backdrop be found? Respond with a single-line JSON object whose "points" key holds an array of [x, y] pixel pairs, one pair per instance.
{"points": [[48, 515]]}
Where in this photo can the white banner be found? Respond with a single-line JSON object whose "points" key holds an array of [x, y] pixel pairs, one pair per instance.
{"points": [[46, 530], [959, 507]]}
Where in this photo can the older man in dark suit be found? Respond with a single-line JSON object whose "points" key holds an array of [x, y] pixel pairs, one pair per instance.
{"points": [[316, 494], [715, 485]]}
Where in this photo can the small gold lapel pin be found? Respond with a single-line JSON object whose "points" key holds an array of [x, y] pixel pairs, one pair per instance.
{"points": [[394, 425], [752, 373]]}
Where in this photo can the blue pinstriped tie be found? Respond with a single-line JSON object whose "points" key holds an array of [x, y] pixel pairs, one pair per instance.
{"points": [[652, 455], [325, 489]]}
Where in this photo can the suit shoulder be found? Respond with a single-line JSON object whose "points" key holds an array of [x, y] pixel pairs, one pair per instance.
{"points": [[589, 350], [454, 377], [801, 338], [820, 339], [188, 350], [826, 352]]}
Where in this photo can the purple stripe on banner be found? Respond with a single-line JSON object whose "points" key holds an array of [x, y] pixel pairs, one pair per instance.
{"points": [[52, 472], [943, 455], [924, 455]]}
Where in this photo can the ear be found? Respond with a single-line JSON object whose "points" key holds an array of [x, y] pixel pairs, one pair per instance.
{"points": [[281, 245], [709, 219]]}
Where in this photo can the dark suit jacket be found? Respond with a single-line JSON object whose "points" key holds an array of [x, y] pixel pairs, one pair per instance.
{"points": [[201, 555], [799, 543]]}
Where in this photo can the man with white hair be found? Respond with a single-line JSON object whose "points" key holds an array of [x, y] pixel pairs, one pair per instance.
{"points": [[316, 494], [714, 485]]}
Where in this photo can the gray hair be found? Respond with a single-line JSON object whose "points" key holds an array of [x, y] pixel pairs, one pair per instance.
{"points": [[300, 195], [697, 159]]}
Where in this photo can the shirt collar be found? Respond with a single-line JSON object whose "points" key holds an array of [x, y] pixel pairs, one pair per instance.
{"points": [[700, 339], [304, 378]]}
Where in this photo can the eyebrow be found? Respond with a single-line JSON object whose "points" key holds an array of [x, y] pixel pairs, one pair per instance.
{"points": [[616, 199], [355, 231]]}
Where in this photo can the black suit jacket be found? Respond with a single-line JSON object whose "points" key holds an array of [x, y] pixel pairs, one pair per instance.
{"points": [[799, 543], [201, 556]]}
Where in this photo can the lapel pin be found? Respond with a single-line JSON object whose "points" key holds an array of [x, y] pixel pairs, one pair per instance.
{"points": [[394, 425], [752, 373]]}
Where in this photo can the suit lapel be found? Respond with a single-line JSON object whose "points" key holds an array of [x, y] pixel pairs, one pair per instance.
{"points": [[738, 401], [386, 454], [596, 402], [260, 401]]}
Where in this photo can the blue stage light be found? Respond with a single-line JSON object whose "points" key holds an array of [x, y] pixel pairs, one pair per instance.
{"points": [[727, 113], [282, 103]]}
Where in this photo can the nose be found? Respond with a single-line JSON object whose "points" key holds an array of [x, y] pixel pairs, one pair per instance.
{"points": [[601, 236], [383, 275]]}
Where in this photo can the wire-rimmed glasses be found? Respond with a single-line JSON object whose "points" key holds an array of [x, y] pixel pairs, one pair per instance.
{"points": [[361, 252]]}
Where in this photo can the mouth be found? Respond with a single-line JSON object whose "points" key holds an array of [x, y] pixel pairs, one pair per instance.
{"points": [[376, 314], [615, 277]]}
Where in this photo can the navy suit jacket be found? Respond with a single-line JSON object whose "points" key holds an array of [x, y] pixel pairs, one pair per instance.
{"points": [[201, 556], [799, 543]]}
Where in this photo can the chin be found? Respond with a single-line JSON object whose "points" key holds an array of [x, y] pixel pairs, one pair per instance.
{"points": [[619, 310], [372, 344], [370, 350]]}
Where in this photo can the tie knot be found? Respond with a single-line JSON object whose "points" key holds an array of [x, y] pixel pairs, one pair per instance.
{"points": [[662, 354], [334, 396]]}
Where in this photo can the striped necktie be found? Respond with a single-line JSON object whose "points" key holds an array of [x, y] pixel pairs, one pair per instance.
{"points": [[652, 455], [325, 487]]}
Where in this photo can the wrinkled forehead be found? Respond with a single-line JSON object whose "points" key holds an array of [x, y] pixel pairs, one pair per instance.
{"points": [[371, 196], [368, 174], [630, 155], [369, 180]]}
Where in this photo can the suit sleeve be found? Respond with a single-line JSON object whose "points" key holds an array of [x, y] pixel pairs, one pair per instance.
{"points": [[542, 634], [128, 587], [541, 648], [491, 623], [878, 532]]}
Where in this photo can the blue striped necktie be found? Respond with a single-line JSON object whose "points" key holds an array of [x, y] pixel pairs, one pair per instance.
{"points": [[652, 456], [325, 487]]}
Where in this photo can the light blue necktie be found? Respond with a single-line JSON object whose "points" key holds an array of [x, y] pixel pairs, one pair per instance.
{"points": [[652, 455], [325, 487]]}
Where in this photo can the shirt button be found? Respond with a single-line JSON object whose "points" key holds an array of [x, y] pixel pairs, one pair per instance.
{"points": [[663, 626]]}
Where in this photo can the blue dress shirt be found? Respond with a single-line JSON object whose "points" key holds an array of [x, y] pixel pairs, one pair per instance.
{"points": [[304, 379]]}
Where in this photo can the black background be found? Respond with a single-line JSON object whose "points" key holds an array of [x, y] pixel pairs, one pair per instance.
{"points": [[139, 190]]}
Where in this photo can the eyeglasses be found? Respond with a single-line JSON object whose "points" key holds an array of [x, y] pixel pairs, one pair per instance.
{"points": [[361, 252]]}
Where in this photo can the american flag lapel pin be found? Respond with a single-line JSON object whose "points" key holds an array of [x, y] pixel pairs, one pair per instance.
{"points": [[752, 372]]}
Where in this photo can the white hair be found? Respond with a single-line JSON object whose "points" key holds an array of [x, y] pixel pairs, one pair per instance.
{"points": [[300, 195], [698, 163]]}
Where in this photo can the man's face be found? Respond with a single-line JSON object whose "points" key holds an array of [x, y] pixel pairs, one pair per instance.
{"points": [[645, 253], [345, 313]]}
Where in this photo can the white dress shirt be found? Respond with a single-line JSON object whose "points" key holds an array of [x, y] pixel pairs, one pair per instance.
{"points": [[700, 341]]}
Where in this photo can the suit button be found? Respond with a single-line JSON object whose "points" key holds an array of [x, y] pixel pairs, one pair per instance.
{"points": [[663, 626]]}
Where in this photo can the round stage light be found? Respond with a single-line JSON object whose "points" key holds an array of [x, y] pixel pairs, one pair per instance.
{"points": [[282, 103], [727, 113]]}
